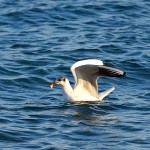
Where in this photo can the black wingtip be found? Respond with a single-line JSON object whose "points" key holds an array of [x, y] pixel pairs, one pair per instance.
{"points": [[120, 75], [124, 74]]}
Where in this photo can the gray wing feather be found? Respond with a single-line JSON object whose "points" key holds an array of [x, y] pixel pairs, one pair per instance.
{"points": [[87, 76]]}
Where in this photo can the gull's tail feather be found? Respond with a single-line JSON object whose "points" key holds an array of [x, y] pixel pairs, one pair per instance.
{"points": [[105, 93]]}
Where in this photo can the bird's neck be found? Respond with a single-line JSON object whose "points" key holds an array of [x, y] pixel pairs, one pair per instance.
{"points": [[67, 89]]}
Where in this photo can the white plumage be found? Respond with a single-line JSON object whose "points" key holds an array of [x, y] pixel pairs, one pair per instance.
{"points": [[86, 73]]}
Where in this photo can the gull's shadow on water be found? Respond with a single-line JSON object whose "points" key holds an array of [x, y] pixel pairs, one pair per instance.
{"points": [[95, 113]]}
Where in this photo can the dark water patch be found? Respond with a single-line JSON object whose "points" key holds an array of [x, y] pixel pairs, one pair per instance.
{"points": [[23, 81], [115, 49], [85, 133], [20, 46], [141, 141], [84, 12], [41, 106], [60, 18], [5, 121], [8, 71], [31, 62], [84, 49], [9, 137], [31, 120], [36, 10]]}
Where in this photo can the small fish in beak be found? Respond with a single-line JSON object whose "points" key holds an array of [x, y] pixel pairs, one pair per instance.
{"points": [[52, 84]]}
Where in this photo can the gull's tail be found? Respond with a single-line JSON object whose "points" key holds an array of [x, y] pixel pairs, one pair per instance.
{"points": [[105, 93]]}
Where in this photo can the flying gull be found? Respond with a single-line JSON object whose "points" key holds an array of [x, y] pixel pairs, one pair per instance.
{"points": [[86, 74]]}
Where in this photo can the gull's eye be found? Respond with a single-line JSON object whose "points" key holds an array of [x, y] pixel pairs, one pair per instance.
{"points": [[59, 79]]}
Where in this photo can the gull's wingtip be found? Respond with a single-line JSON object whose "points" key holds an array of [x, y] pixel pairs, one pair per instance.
{"points": [[124, 74], [113, 88], [105, 93]]}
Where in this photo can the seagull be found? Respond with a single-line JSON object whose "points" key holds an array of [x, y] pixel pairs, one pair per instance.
{"points": [[86, 74]]}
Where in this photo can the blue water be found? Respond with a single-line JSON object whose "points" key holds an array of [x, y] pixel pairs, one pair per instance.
{"points": [[40, 40]]}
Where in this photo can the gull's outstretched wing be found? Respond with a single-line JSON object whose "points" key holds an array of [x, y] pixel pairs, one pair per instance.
{"points": [[86, 73]]}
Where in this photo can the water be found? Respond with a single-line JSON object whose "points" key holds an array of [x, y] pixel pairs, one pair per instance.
{"points": [[39, 41]]}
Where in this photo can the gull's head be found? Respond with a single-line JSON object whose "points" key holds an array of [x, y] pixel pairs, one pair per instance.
{"points": [[60, 80]]}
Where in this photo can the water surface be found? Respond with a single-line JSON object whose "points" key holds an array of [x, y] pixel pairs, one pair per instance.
{"points": [[39, 41]]}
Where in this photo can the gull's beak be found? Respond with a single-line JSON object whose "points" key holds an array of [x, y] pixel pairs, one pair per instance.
{"points": [[52, 84]]}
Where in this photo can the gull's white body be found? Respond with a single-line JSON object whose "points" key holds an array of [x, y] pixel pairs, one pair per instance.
{"points": [[81, 94], [86, 73]]}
